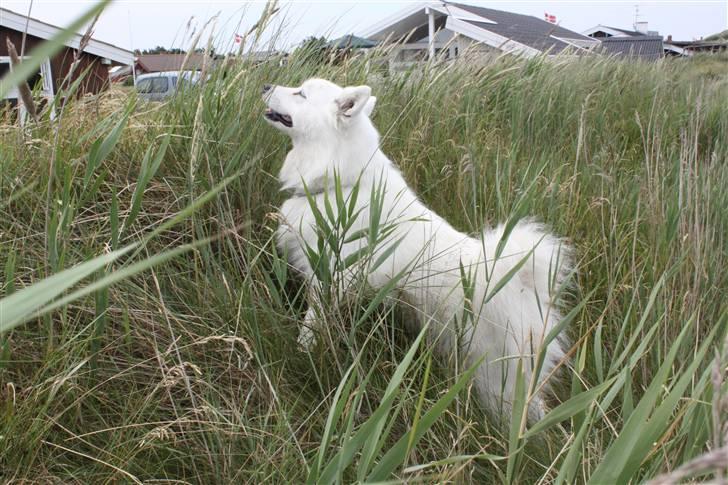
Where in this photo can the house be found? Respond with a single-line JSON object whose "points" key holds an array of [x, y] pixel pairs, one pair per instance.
{"points": [[715, 43], [639, 43], [702, 46], [96, 57], [449, 30]]}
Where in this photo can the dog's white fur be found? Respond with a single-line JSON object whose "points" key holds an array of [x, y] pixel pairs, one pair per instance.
{"points": [[331, 132]]}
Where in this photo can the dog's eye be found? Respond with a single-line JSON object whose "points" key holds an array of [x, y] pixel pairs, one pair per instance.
{"points": [[300, 93]]}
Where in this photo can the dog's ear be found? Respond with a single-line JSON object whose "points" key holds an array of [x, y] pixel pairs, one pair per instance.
{"points": [[353, 100], [369, 107]]}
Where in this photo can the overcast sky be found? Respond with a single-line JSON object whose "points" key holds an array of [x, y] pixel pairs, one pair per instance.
{"points": [[147, 23]]}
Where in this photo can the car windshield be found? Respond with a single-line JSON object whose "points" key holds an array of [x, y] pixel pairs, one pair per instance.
{"points": [[152, 85]]}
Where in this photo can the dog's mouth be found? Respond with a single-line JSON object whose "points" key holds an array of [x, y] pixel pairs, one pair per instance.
{"points": [[277, 117]]}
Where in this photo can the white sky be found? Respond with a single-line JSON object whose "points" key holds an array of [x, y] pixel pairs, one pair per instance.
{"points": [[147, 23]]}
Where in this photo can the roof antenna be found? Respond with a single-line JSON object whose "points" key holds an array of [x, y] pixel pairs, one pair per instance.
{"points": [[636, 16]]}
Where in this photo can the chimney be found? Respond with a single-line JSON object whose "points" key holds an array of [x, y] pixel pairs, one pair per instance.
{"points": [[669, 38], [641, 27]]}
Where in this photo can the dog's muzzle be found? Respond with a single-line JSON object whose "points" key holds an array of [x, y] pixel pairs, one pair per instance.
{"points": [[277, 117]]}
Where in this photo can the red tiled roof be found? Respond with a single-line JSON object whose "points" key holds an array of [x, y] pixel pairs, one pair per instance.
{"points": [[171, 62]]}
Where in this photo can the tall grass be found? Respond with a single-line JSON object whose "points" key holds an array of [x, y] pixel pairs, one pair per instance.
{"points": [[184, 366]]}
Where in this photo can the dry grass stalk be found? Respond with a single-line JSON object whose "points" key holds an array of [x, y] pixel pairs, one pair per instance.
{"points": [[23, 89]]}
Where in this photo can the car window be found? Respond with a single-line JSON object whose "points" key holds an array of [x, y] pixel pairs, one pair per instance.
{"points": [[144, 86], [159, 85]]}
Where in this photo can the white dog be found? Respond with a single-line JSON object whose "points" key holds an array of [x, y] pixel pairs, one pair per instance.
{"points": [[447, 275]]}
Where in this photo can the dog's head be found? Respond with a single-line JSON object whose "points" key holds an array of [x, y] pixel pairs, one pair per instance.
{"points": [[316, 109]]}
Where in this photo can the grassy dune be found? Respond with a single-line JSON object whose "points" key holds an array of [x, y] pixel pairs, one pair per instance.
{"points": [[186, 369]]}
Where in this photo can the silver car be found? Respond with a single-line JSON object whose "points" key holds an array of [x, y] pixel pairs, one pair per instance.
{"points": [[157, 86]]}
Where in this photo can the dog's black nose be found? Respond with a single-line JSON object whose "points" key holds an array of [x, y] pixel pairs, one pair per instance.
{"points": [[266, 88]]}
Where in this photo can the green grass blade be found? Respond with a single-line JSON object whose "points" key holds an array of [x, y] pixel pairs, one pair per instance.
{"points": [[146, 173], [622, 448], [102, 147], [124, 273], [372, 446], [28, 302], [397, 454], [567, 470], [660, 421], [343, 390], [569, 408], [371, 429], [518, 421]]}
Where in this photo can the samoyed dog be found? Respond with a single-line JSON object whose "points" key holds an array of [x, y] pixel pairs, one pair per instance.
{"points": [[491, 295]]}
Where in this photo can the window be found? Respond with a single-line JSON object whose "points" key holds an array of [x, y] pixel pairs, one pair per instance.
{"points": [[39, 81], [35, 81]]}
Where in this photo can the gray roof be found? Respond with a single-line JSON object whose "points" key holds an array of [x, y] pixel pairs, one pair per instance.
{"points": [[645, 47], [526, 29]]}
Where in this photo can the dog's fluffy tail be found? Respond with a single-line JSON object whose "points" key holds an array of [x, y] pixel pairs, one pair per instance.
{"points": [[524, 307]]}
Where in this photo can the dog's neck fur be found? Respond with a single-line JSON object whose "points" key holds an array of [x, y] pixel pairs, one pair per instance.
{"points": [[310, 166]]}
